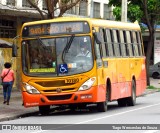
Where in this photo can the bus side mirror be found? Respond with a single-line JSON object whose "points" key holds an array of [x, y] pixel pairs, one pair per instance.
{"points": [[14, 50], [97, 37]]}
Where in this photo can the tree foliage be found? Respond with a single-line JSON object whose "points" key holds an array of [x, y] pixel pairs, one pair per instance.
{"points": [[54, 5], [145, 11]]}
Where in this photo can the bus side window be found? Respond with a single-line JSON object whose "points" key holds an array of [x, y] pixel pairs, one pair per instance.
{"points": [[103, 43], [129, 43], [109, 44], [125, 43], [138, 35], [134, 43], [122, 44], [112, 43], [115, 43]]}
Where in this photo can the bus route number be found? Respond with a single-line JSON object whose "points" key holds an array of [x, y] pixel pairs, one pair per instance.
{"points": [[75, 80]]}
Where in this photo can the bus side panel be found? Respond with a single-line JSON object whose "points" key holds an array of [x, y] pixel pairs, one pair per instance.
{"points": [[101, 93], [101, 87], [110, 72], [123, 75], [137, 69]]}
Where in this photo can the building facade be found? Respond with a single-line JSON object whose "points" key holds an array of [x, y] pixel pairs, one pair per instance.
{"points": [[13, 13]]}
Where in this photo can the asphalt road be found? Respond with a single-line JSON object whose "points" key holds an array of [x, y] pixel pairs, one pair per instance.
{"points": [[146, 111]]}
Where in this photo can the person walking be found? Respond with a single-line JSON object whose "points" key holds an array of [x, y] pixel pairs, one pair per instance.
{"points": [[8, 78]]}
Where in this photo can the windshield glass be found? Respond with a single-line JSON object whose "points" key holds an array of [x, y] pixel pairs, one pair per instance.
{"points": [[57, 56]]}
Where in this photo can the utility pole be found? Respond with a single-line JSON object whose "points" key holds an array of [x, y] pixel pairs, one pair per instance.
{"points": [[124, 11], [91, 9]]}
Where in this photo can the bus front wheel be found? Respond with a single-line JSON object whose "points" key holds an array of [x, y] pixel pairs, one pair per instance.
{"points": [[102, 106], [44, 110]]}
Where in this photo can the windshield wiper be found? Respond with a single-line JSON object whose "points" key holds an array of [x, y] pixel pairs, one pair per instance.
{"points": [[43, 45], [67, 47]]}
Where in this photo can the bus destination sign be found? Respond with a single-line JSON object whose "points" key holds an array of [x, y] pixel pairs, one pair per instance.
{"points": [[56, 28]]}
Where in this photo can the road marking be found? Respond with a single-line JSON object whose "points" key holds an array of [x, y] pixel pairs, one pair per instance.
{"points": [[151, 131], [118, 114]]}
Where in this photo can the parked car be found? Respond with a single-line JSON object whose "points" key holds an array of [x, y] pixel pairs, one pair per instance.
{"points": [[154, 71]]}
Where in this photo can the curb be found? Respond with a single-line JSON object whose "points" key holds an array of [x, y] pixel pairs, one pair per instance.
{"points": [[150, 91]]}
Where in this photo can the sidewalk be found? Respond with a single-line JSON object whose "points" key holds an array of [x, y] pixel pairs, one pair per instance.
{"points": [[16, 110]]}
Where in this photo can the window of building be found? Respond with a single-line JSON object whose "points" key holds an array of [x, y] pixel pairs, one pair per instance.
{"points": [[26, 4], [44, 6], [83, 8], [11, 2], [74, 9], [7, 29], [96, 10], [107, 11]]}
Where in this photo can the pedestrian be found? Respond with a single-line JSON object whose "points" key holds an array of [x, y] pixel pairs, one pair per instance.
{"points": [[7, 76]]}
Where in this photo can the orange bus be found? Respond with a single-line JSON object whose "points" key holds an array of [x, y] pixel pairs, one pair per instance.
{"points": [[55, 72]]}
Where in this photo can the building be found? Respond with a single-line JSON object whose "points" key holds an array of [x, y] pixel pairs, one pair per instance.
{"points": [[15, 12], [155, 58]]}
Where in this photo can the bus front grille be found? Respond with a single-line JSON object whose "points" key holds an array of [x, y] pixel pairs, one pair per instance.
{"points": [[59, 97], [56, 83], [62, 90]]}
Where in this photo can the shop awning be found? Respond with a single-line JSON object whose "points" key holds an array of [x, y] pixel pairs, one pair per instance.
{"points": [[5, 44]]}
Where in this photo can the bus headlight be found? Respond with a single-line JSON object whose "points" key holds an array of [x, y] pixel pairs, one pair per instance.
{"points": [[30, 89], [87, 84]]}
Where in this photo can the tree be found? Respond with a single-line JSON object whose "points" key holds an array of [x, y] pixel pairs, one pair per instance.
{"points": [[52, 5], [145, 11]]}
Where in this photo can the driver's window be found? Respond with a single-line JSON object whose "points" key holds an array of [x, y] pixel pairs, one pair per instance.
{"points": [[97, 51], [98, 55]]}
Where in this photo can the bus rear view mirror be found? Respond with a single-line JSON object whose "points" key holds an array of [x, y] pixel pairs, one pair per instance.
{"points": [[97, 37], [14, 50]]}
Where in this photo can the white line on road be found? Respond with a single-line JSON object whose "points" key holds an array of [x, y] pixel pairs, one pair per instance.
{"points": [[118, 114], [152, 131]]}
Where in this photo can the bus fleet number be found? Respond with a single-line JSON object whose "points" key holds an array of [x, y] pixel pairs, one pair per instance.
{"points": [[75, 80]]}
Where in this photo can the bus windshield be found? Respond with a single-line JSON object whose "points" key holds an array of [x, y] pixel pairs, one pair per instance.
{"points": [[57, 56]]}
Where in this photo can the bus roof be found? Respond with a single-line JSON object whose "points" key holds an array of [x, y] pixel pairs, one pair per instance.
{"points": [[93, 21]]}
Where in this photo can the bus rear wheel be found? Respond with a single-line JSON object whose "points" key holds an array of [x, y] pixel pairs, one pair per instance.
{"points": [[122, 102], [131, 101], [44, 110]]}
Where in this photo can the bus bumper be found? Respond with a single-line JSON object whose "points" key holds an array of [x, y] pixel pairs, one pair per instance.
{"points": [[93, 95]]}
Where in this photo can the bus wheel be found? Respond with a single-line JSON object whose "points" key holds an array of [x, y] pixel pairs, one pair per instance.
{"points": [[102, 106], [122, 102], [131, 101], [44, 110]]}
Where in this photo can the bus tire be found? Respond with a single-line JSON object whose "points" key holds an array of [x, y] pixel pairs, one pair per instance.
{"points": [[131, 101], [44, 110], [102, 106], [122, 102]]}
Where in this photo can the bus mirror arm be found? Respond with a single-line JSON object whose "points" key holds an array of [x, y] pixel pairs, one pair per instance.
{"points": [[14, 47], [97, 37]]}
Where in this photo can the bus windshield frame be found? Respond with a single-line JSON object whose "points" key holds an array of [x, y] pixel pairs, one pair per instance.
{"points": [[57, 56]]}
